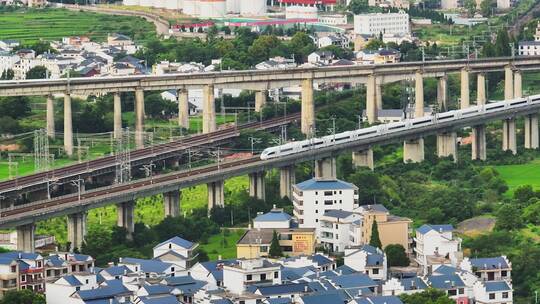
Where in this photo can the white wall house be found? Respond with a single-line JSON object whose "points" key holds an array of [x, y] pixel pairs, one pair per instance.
{"points": [[488, 269], [396, 287], [436, 245], [367, 259], [60, 290], [237, 277], [312, 198], [530, 48], [276, 219], [338, 228], [493, 292], [177, 251], [385, 23]]}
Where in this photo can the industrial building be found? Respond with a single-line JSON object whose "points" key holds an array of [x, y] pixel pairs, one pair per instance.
{"points": [[207, 8]]}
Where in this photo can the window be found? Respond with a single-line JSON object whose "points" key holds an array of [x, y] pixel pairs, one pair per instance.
{"points": [[504, 273], [249, 277], [23, 278], [316, 211], [13, 268], [263, 276], [276, 275], [327, 193], [264, 248], [492, 296], [461, 291], [452, 292], [375, 271], [328, 202], [170, 246], [172, 269], [505, 295]]}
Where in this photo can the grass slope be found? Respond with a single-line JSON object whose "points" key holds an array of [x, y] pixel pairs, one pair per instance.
{"points": [[523, 174]]}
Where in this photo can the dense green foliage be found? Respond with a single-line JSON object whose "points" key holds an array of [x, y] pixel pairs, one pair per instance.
{"points": [[375, 240], [430, 296], [22, 297], [275, 250], [396, 255]]}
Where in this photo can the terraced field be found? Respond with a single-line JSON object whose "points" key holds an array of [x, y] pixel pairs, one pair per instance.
{"points": [[31, 25]]}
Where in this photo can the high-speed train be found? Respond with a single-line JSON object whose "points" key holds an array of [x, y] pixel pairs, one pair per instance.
{"points": [[359, 134]]}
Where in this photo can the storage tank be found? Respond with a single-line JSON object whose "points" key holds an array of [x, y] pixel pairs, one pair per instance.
{"points": [[190, 7], [233, 6], [212, 8], [252, 7]]}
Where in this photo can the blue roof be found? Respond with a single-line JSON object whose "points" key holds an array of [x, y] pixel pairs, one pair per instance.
{"points": [[278, 301], [325, 298], [157, 289], [6, 260], [292, 274], [492, 286], [273, 216], [72, 280], [117, 270], [379, 300], [413, 283], [270, 290], [321, 260], [179, 242], [445, 281], [375, 207], [427, 228], [168, 299], [489, 263], [104, 292], [324, 184], [148, 265], [20, 255], [344, 269], [80, 257], [357, 280], [102, 301], [55, 261], [340, 214], [445, 269], [217, 272], [221, 301]]}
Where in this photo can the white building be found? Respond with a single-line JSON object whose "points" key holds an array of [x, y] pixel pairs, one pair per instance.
{"points": [[488, 269], [529, 48], [395, 286], [339, 229], [436, 245], [377, 23], [275, 219], [237, 277], [176, 251], [333, 19], [301, 12], [493, 292], [312, 198], [336, 40], [60, 290], [367, 259]]}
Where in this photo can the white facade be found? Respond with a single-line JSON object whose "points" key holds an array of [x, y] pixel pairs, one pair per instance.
{"points": [[335, 19], [301, 12], [504, 4], [492, 292], [237, 277], [436, 245], [60, 290], [211, 8], [312, 198], [377, 23], [367, 259], [531, 48], [338, 229], [252, 7]]}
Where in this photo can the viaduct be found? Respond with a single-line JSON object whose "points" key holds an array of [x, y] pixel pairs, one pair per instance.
{"points": [[373, 76]]}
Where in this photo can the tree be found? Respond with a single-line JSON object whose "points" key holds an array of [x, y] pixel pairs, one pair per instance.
{"points": [[275, 250], [524, 193], [374, 240], [508, 218], [7, 75], [470, 6], [22, 297], [374, 44], [429, 296], [487, 6], [358, 6], [15, 107], [395, 253], [37, 72]]}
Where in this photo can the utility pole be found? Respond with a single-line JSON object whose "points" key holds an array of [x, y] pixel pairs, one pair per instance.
{"points": [[123, 158], [254, 140]]}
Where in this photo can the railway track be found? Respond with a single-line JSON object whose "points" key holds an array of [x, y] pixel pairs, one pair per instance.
{"points": [[138, 154]]}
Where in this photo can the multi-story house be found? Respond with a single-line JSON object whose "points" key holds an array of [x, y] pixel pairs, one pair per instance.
{"points": [[237, 277], [382, 23], [367, 259], [436, 245], [489, 269], [339, 229], [493, 292], [177, 251]]}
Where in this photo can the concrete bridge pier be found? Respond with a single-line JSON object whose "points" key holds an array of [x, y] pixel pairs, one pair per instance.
{"points": [[363, 159], [183, 108], [117, 116], [531, 131], [209, 109], [171, 203], [413, 150], [419, 95], [287, 177], [256, 185], [126, 217], [308, 108], [25, 238], [76, 225], [447, 145], [50, 116], [465, 90], [260, 100], [216, 194], [371, 99], [508, 83], [479, 142], [481, 97], [326, 168], [518, 90], [139, 118], [509, 135], [68, 125], [442, 93], [378, 95]]}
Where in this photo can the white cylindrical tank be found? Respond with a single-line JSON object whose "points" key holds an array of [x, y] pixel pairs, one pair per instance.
{"points": [[131, 2], [252, 7], [233, 6], [212, 8], [191, 7]]}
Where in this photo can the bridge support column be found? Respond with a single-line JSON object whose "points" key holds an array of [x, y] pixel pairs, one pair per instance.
{"points": [[413, 150], [363, 158], [139, 118], [117, 119], [518, 90], [125, 217], [76, 225], [371, 99], [531, 131], [447, 145], [508, 83], [481, 89], [378, 95], [509, 135], [479, 142], [260, 100], [325, 168], [308, 108], [25, 238], [209, 109], [465, 91], [287, 177], [171, 203], [50, 116], [256, 185], [68, 126], [419, 95], [183, 108], [216, 195], [442, 93]]}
